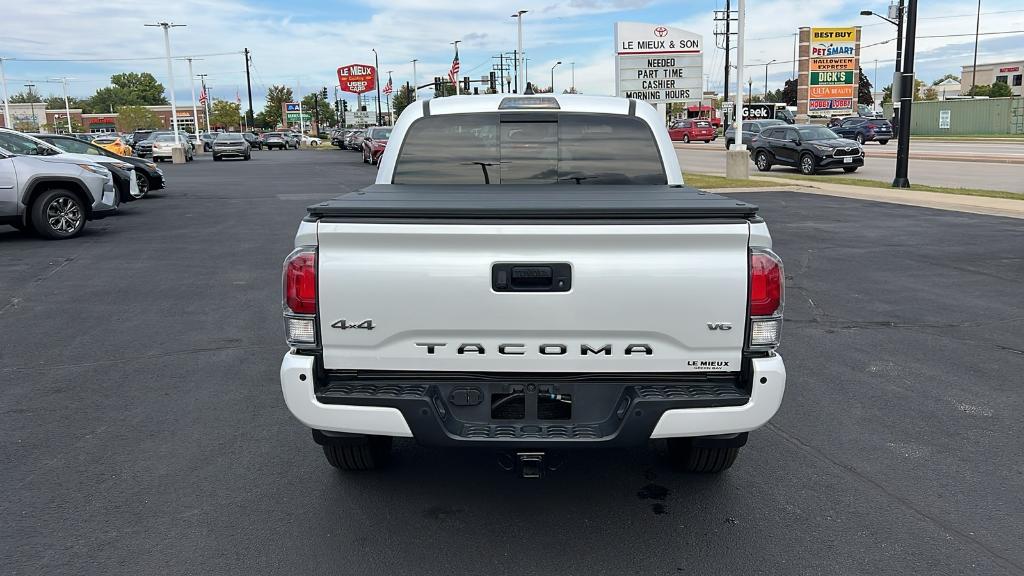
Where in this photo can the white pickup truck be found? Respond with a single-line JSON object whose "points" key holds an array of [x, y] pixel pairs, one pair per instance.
{"points": [[530, 273]]}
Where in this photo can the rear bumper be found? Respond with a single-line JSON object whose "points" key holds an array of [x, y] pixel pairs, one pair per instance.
{"points": [[638, 411]]}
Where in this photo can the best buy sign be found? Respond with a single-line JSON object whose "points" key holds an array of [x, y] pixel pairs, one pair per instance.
{"points": [[834, 77]]}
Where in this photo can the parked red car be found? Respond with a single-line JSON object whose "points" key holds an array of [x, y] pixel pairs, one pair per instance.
{"points": [[374, 143], [687, 130]]}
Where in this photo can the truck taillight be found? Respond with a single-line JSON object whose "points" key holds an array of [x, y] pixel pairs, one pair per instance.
{"points": [[767, 296], [300, 297]]}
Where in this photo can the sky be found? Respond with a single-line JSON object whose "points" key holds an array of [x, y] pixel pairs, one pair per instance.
{"points": [[302, 42]]}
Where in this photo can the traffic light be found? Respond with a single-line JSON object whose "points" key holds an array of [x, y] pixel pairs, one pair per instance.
{"points": [[323, 93], [465, 84], [493, 82]]}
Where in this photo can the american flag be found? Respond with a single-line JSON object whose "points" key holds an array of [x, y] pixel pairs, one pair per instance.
{"points": [[203, 97], [453, 73], [388, 87]]}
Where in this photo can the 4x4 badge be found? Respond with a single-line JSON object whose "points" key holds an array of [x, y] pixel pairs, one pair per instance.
{"points": [[344, 325]]}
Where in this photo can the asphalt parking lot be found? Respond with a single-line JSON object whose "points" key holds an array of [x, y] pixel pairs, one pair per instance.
{"points": [[145, 433]]}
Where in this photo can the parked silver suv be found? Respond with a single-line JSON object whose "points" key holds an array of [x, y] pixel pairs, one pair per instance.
{"points": [[54, 195]]}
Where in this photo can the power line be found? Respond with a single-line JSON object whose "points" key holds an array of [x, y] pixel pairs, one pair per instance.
{"points": [[120, 59]]}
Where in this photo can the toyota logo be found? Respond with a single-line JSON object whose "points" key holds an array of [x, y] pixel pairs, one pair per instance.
{"points": [[660, 31]]}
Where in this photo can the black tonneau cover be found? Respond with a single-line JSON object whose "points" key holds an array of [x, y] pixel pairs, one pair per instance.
{"points": [[530, 202]]}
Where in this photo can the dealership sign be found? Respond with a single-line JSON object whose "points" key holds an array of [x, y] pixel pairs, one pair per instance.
{"points": [[658, 64], [357, 78]]}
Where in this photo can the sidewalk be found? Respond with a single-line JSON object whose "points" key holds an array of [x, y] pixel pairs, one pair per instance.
{"points": [[961, 203]]}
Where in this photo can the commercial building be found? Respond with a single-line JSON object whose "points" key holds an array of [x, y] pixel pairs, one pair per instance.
{"points": [[1011, 73], [37, 118]]}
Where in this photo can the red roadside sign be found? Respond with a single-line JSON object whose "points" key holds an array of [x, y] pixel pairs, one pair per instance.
{"points": [[357, 78]]}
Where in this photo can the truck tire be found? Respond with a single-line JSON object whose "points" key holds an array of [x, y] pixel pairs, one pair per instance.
{"points": [[808, 164], [359, 453], [61, 207], [689, 458]]}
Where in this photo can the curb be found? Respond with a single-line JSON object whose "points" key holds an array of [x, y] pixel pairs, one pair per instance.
{"points": [[1004, 207]]}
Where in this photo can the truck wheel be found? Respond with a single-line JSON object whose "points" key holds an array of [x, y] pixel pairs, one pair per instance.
{"points": [[762, 161], [689, 458], [359, 453], [58, 214], [883, 142], [860, 139]]}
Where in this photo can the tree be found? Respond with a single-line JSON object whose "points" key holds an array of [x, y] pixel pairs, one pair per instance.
{"points": [[108, 99], [132, 118], [979, 90], [224, 114], [403, 97], [1000, 90], [25, 98], [864, 89], [929, 93], [57, 102], [789, 92], [944, 78], [140, 88], [60, 125], [277, 96], [887, 94]]}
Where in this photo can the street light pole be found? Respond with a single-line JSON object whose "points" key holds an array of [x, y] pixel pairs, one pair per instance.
{"points": [[766, 78], [32, 106], [520, 83], [737, 120], [376, 80], [906, 101], [974, 67], [206, 101], [553, 76], [898, 23], [455, 79], [7, 102], [170, 74], [195, 112], [572, 88], [415, 89], [67, 105]]}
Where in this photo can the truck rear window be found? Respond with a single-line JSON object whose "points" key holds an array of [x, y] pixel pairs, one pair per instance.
{"points": [[529, 148]]}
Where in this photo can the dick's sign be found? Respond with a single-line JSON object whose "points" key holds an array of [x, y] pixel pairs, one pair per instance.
{"points": [[657, 63]]}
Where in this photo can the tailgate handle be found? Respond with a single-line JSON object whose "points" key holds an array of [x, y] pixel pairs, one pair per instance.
{"points": [[531, 277]]}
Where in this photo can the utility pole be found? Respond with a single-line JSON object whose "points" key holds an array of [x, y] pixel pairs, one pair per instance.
{"points": [[248, 86], [795, 36], [7, 102], [572, 89], [376, 80], [519, 49], [195, 112], [170, 75], [206, 102], [415, 90], [906, 101]]}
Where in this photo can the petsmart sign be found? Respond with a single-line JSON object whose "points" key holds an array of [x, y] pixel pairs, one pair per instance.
{"points": [[656, 63]]}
